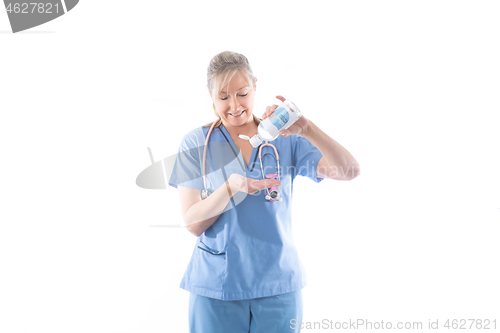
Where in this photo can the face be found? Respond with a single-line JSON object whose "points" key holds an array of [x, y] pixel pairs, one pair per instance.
{"points": [[234, 103]]}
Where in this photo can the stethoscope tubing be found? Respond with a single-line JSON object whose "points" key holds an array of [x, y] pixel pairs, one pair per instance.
{"points": [[277, 158], [205, 153]]}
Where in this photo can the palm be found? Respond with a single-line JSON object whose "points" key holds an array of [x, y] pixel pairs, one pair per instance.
{"points": [[298, 126], [249, 185]]}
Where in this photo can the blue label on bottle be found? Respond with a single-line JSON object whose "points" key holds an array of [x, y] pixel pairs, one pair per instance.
{"points": [[279, 118]]}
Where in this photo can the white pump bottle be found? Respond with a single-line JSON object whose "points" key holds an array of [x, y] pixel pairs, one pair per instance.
{"points": [[283, 117]]}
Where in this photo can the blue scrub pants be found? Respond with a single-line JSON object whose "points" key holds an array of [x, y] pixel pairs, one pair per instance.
{"points": [[257, 315]]}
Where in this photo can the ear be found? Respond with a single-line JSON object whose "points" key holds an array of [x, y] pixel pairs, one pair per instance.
{"points": [[255, 88]]}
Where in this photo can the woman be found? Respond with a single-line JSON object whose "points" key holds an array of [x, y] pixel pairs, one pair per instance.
{"points": [[245, 274]]}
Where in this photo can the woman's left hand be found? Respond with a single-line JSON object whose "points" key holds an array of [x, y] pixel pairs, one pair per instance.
{"points": [[299, 127]]}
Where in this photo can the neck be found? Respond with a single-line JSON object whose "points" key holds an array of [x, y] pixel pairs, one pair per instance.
{"points": [[249, 128]]}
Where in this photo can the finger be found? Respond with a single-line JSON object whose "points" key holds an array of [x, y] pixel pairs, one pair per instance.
{"points": [[267, 183], [264, 183], [281, 98], [266, 114], [275, 184], [285, 133], [269, 111]]}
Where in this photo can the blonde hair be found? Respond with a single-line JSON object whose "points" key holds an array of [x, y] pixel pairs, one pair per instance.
{"points": [[220, 67]]}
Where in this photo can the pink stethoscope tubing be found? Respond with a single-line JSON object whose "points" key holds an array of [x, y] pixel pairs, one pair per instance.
{"points": [[274, 190], [205, 192]]}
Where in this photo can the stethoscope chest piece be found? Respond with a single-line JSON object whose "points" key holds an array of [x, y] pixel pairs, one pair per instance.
{"points": [[273, 193], [273, 196], [205, 193]]}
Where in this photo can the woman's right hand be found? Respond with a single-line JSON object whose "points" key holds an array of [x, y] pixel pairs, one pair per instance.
{"points": [[238, 183]]}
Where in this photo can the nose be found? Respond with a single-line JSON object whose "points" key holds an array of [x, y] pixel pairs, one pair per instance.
{"points": [[235, 105]]}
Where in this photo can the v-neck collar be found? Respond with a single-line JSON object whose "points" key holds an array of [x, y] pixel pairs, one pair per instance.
{"points": [[228, 137]]}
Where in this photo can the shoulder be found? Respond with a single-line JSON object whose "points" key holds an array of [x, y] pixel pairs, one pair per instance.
{"points": [[299, 145], [195, 137], [290, 141], [299, 140], [197, 131]]}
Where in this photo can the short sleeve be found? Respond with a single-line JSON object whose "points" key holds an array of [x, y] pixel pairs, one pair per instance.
{"points": [[187, 167], [306, 158]]}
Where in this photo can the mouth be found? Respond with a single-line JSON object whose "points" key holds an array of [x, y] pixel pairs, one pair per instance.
{"points": [[236, 115]]}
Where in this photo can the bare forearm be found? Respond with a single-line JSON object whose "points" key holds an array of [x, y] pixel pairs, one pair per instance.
{"points": [[340, 161], [203, 214]]}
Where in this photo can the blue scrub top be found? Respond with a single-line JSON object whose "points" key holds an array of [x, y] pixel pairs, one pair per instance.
{"points": [[248, 252]]}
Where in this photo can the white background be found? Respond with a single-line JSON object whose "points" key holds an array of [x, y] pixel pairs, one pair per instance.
{"points": [[410, 88]]}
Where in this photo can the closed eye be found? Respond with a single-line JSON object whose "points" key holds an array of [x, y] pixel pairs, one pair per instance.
{"points": [[238, 95]]}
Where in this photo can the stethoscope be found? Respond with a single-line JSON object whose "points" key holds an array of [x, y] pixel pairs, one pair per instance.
{"points": [[272, 194]]}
